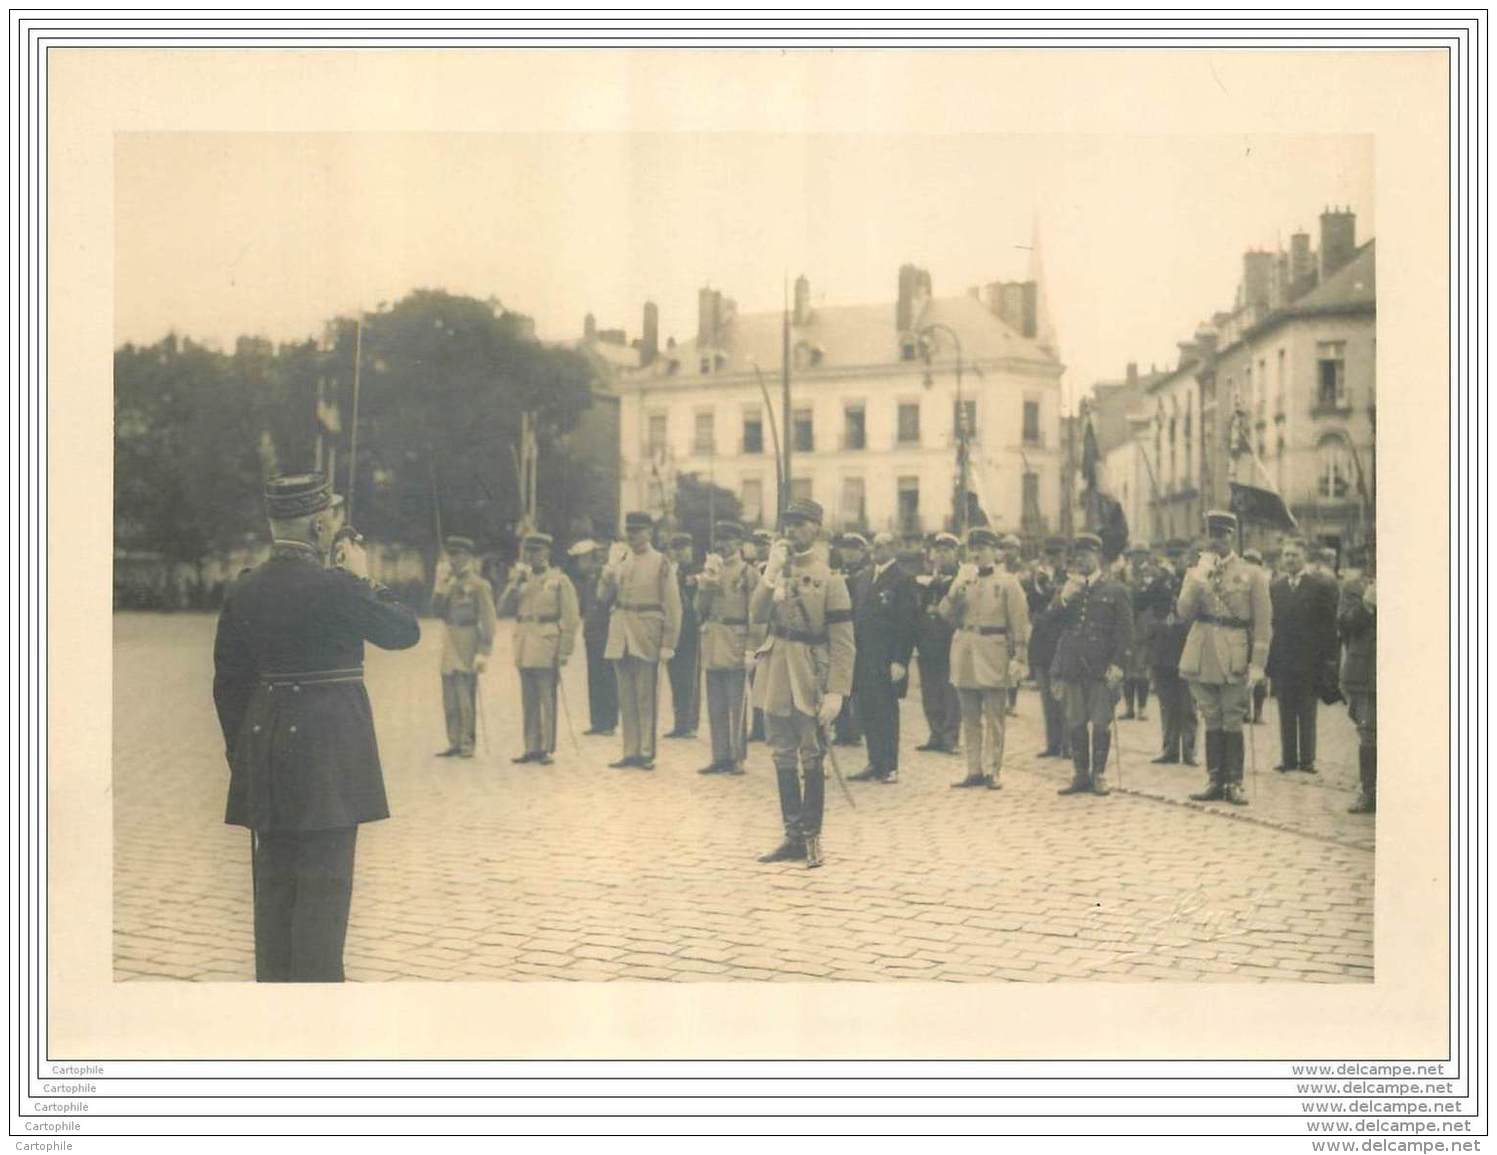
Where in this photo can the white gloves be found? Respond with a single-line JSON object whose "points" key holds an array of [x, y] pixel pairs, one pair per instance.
{"points": [[831, 706], [1254, 675], [897, 672], [779, 554], [666, 654]]}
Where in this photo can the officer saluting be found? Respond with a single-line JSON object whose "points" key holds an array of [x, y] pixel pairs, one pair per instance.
{"points": [[644, 622], [803, 674], [724, 588], [987, 606], [1226, 602], [465, 604], [545, 608], [1096, 614], [288, 685]]}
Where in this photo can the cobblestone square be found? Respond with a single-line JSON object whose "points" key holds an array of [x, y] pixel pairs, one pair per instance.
{"points": [[577, 872]]}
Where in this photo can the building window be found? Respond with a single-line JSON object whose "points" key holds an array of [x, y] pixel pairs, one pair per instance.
{"points": [[964, 418], [705, 439], [909, 423], [854, 428], [751, 500], [800, 489], [753, 432], [909, 505], [805, 439], [854, 507], [1031, 423], [705, 365], [907, 351], [1334, 469], [1030, 518], [655, 438], [1331, 375]]}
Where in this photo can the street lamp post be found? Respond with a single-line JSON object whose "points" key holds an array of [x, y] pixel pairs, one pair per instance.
{"points": [[927, 339]]}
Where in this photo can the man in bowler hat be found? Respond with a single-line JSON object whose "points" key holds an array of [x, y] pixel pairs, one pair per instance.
{"points": [[288, 685]]}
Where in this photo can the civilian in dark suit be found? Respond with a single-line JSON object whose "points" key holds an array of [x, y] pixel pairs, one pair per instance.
{"points": [[852, 556], [883, 615], [1045, 629], [1304, 648], [685, 667], [288, 686], [933, 640], [602, 686]]}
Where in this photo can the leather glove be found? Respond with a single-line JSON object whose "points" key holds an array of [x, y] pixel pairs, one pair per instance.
{"points": [[1254, 675], [831, 706]]}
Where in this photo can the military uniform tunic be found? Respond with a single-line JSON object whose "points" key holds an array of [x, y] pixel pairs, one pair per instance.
{"points": [[466, 607], [808, 652], [644, 618], [722, 605], [1229, 613], [546, 618], [990, 615], [304, 768]]}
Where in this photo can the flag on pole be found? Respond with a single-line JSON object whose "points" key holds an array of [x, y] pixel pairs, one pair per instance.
{"points": [[1264, 506]]}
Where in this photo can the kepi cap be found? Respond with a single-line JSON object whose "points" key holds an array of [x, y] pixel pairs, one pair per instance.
{"points": [[580, 548], [298, 495], [638, 520], [537, 541], [947, 539], [457, 543], [804, 510], [727, 531], [1220, 519], [1086, 541], [846, 539]]}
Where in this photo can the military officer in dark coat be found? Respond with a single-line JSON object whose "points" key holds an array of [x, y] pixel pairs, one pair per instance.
{"points": [[1045, 629], [883, 614], [1303, 651], [298, 730], [933, 637], [1096, 614], [602, 686], [684, 667]]}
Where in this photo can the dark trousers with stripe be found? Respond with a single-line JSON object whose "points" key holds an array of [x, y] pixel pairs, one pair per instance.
{"points": [[303, 883]]}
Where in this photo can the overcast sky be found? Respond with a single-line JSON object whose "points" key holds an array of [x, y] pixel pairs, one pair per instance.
{"points": [[226, 234]]}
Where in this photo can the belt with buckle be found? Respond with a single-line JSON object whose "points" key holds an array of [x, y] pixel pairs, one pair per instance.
{"points": [[641, 607], [790, 635], [296, 679], [1230, 623], [731, 621], [986, 631], [543, 618]]}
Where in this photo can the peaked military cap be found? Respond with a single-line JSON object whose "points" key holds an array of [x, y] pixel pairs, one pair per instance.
{"points": [[846, 539], [1252, 555], [457, 542], [538, 541], [1328, 555], [763, 535], [805, 510], [638, 520], [585, 546], [727, 531], [1086, 541], [1218, 519], [1011, 541], [298, 495], [680, 539], [981, 535], [883, 537], [948, 539]]}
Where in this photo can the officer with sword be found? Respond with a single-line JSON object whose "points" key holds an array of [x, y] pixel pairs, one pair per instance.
{"points": [[544, 603], [803, 674]]}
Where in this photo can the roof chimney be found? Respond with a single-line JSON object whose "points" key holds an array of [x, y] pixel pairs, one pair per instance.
{"points": [[1338, 240], [709, 314], [914, 292], [1257, 279], [802, 300], [1132, 373], [649, 347], [589, 327], [1301, 264]]}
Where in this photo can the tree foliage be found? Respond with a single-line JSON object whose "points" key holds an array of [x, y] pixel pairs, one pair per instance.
{"points": [[443, 382]]}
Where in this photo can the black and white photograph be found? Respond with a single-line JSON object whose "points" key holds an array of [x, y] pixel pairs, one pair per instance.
{"points": [[725, 557]]}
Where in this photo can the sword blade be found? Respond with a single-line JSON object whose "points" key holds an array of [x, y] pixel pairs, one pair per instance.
{"points": [[830, 751]]}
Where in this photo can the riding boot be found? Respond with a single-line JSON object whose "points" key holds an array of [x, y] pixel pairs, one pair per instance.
{"points": [[1232, 750], [1081, 781], [1213, 791], [1366, 802], [1101, 745]]}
